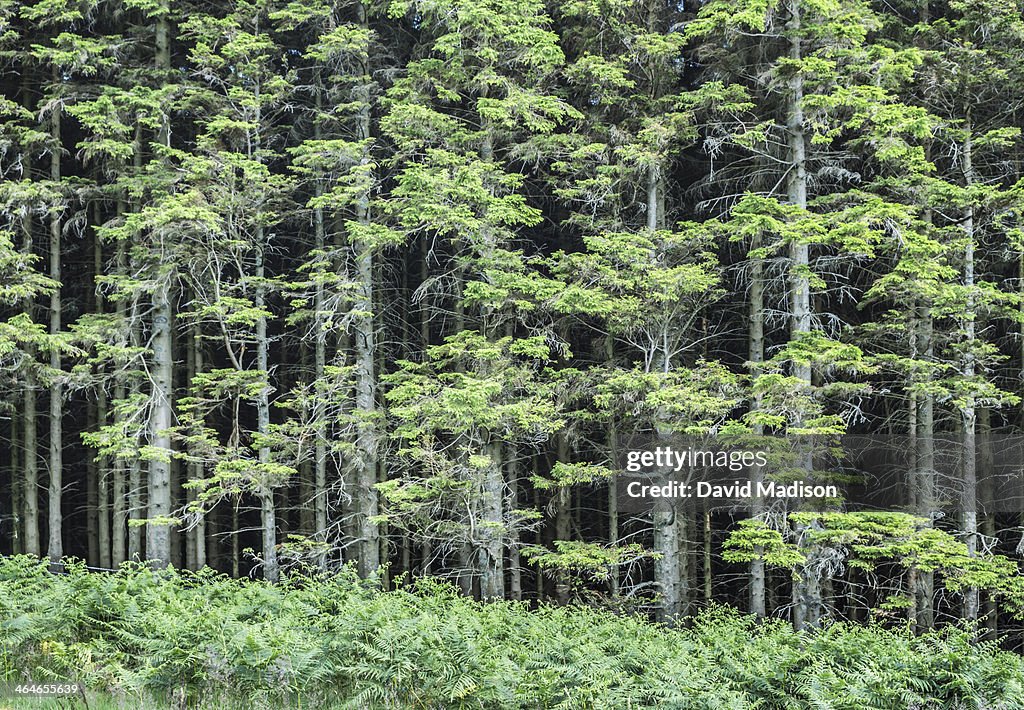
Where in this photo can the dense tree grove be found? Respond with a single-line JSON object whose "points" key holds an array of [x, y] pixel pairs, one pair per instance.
{"points": [[293, 285]]}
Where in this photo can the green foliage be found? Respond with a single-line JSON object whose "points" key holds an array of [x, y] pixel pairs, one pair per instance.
{"points": [[753, 540], [314, 194], [456, 416], [870, 540], [205, 640], [474, 388], [586, 559], [19, 281]]}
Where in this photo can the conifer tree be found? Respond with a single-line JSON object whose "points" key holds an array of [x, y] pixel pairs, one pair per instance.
{"points": [[232, 199]]}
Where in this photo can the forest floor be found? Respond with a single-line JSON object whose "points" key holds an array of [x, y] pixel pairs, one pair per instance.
{"points": [[141, 639]]}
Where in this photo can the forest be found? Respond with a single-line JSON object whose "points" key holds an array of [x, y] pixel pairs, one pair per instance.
{"points": [[386, 295]]}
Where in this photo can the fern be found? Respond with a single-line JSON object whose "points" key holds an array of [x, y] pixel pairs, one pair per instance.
{"points": [[204, 640]]}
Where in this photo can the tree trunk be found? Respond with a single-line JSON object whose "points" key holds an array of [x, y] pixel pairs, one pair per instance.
{"points": [[653, 217], [31, 464], [670, 572], [268, 520], [92, 497], [136, 505], [807, 606], [539, 538], [613, 488], [29, 423], [671, 569], [235, 546], [968, 414], [306, 502], [925, 591], [55, 544], [515, 573], [158, 536], [913, 475], [427, 550], [14, 466], [190, 495], [755, 356], [491, 553], [465, 570], [319, 368], [708, 542], [316, 505], [563, 520], [797, 192], [119, 516], [268, 516], [986, 483], [366, 438], [103, 464], [196, 471]]}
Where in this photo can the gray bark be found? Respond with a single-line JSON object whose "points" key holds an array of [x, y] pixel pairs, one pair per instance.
{"points": [[515, 574], [197, 534], [987, 500], [268, 516], [491, 552], [29, 421], [92, 498], [268, 521], [670, 570], [563, 520], [755, 356], [366, 437], [968, 413], [103, 465], [925, 591], [912, 501], [807, 602], [708, 542], [613, 488], [55, 518], [653, 217], [319, 368], [158, 537], [14, 467], [465, 570]]}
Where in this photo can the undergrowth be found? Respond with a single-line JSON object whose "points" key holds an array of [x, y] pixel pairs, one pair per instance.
{"points": [[140, 638]]}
